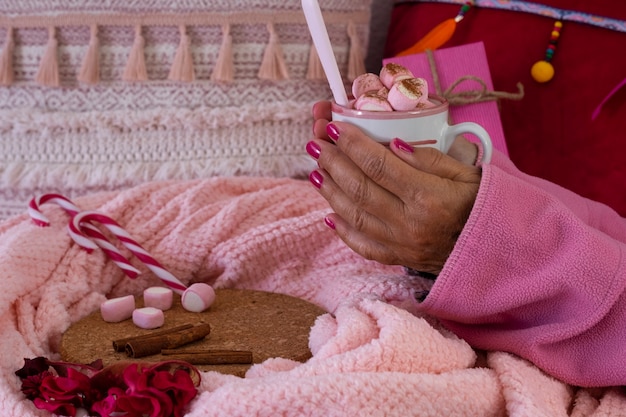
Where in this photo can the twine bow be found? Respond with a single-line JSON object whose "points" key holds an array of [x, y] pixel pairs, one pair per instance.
{"points": [[469, 96]]}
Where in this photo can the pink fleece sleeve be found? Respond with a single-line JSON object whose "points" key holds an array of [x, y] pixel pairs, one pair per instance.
{"points": [[539, 271]]}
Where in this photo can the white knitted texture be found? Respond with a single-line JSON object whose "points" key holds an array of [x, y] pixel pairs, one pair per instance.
{"points": [[79, 139], [75, 153], [29, 6]]}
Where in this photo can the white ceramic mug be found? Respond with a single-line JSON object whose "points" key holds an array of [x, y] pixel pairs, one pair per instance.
{"points": [[423, 127]]}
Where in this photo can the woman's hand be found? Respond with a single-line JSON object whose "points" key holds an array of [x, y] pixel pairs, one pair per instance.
{"points": [[398, 205]]}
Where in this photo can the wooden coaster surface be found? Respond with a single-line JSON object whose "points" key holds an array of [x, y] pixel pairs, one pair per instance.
{"points": [[268, 324]]}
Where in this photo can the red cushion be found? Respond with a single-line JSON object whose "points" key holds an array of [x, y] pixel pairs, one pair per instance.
{"points": [[549, 133]]}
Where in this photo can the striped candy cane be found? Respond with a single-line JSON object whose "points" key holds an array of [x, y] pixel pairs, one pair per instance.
{"points": [[197, 298], [91, 231], [84, 217], [38, 217]]}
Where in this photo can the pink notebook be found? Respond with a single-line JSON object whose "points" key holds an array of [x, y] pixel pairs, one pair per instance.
{"points": [[453, 63]]}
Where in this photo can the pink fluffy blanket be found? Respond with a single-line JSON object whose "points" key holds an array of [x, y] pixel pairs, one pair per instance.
{"points": [[371, 357]]}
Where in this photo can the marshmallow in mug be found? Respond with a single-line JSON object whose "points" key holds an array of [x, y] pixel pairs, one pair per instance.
{"points": [[396, 88], [397, 105]]}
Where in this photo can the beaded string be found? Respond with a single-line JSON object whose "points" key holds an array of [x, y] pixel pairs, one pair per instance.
{"points": [[464, 9], [563, 15], [543, 71]]}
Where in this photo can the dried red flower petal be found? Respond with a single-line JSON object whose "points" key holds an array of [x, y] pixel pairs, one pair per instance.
{"points": [[31, 385], [108, 404], [178, 386], [160, 390], [61, 409], [150, 403], [32, 367], [65, 388]]}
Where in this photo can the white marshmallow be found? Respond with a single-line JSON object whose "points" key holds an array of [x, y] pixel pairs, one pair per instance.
{"points": [[148, 317], [372, 102], [158, 297], [198, 297], [406, 94], [117, 309], [366, 83], [392, 73]]}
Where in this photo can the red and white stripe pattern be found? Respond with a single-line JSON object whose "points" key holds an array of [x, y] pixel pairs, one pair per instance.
{"points": [[79, 223], [39, 218], [94, 237], [195, 298]]}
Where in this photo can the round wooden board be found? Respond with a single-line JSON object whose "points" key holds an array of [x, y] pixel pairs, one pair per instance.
{"points": [[267, 324]]}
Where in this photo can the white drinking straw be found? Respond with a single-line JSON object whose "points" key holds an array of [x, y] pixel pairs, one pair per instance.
{"points": [[317, 27]]}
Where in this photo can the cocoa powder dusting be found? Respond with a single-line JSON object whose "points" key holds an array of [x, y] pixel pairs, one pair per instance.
{"points": [[413, 86], [394, 69]]}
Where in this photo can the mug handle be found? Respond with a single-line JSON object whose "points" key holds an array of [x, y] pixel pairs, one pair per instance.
{"points": [[477, 130]]}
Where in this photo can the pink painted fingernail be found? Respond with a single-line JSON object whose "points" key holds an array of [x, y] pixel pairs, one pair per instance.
{"points": [[329, 223], [313, 149], [316, 179], [332, 131], [403, 146]]}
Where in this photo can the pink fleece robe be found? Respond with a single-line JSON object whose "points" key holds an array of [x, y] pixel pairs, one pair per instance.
{"points": [[539, 271]]}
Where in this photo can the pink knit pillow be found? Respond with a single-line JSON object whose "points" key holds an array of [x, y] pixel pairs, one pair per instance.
{"points": [[98, 98]]}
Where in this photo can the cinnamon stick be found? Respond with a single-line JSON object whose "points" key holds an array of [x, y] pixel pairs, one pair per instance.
{"points": [[120, 344], [153, 345], [209, 357]]}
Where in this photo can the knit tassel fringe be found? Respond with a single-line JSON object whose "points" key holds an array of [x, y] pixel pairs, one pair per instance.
{"points": [[182, 67], [136, 66], [224, 70], [6, 59], [48, 73], [90, 68], [273, 66], [356, 58], [315, 71]]}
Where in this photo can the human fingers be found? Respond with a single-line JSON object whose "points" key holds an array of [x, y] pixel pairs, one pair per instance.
{"points": [[395, 240], [432, 161], [321, 115], [319, 129], [376, 162], [463, 150], [360, 184], [363, 243], [353, 215], [423, 198], [356, 198], [322, 110]]}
